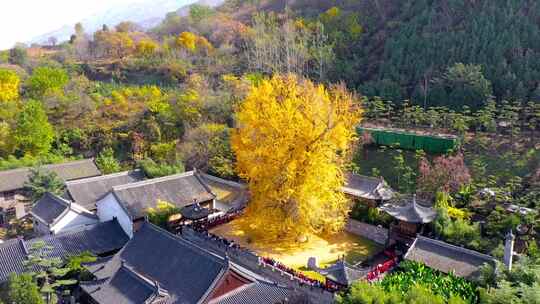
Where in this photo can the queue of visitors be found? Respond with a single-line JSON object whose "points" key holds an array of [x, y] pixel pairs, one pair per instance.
{"points": [[384, 267], [328, 286], [202, 227], [216, 221]]}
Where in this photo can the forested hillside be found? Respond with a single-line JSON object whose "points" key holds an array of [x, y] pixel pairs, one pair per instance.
{"points": [[220, 89], [159, 93], [409, 49]]}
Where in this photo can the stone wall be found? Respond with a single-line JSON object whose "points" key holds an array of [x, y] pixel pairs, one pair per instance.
{"points": [[377, 234]]}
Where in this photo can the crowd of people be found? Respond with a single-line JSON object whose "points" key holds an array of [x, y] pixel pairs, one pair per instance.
{"points": [[216, 221], [303, 279], [383, 267], [220, 241], [203, 227]]}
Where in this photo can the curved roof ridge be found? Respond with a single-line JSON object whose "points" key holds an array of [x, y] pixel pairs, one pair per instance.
{"points": [[454, 247], [153, 181], [223, 181], [47, 166], [100, 177]]}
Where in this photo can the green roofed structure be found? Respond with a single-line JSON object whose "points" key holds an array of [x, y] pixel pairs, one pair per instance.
{"points": [[409, 140]]}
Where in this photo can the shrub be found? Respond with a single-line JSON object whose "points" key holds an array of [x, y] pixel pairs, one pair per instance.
{"points": [[46, 80], [161, 213], [152, 169], [410, 274], [23, 289], [107, 163]]}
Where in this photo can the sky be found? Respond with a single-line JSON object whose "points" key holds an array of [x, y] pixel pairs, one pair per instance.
{"points": [[22, 20]]}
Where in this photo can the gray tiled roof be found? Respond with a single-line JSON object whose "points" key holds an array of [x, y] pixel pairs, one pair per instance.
{"points": [[12, 255], [99, 239], [367, 187], [179, 190], [447, 258], [233, 194], [175, 269], [411, 211], [186, 271], [49, 207], [259, 293], [343, 273], [14, 179], [86, 192], [129, 287]]}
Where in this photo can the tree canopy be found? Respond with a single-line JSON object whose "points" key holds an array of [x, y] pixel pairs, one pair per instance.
{"points": [[290, 144], [33, 132], [9, 85]]}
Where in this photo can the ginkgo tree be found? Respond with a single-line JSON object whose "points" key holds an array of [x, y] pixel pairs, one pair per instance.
{"points": [[291, 141], [9, 85]]}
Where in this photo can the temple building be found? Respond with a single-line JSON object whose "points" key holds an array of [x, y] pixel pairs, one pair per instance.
{"points": [[158, 267], [52, 214], [129, 203], [13, 198], [343, 274], [101, 239], [370, 190], [448, 258], [87, 191]]}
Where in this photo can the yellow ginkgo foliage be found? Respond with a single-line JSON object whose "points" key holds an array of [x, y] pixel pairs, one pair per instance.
{"points": [[9, 85], [146, 47], [290, 144], [193, 43], [187, 40]]}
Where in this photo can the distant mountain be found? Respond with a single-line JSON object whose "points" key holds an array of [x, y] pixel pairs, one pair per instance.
{"points": [[147, 14]]}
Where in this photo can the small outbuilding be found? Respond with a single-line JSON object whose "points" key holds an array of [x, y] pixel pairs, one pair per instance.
{"points": [[343, 274], [370, 190], [52, 214]]}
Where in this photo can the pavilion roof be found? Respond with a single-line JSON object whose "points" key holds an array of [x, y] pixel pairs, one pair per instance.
{"points": [[343, 273], [411, 211], [194, 212]]}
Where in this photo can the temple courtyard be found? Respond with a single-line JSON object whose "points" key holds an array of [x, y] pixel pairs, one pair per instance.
{"points": [[327, 249]]}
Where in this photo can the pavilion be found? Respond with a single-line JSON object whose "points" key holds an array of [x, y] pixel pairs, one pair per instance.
{"points": [[410, 218], [343, 274], [195, 212]]}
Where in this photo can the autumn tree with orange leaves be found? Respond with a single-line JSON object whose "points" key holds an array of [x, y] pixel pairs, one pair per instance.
{"points": [[291, 141]]}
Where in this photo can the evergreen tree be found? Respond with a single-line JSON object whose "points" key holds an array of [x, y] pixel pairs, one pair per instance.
{"points": [[42, 181], [22, 289]]}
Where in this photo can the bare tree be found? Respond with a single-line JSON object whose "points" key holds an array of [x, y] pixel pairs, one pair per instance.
{"points": [[52, 41], [287, 47]]}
